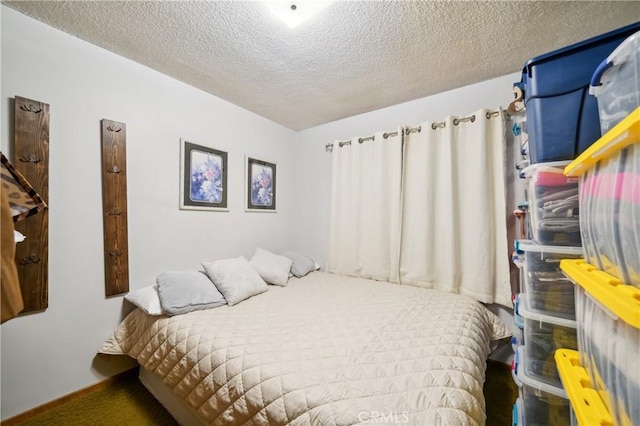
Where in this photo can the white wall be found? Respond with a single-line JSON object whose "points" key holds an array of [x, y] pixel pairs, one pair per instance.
{"points": [[313, 164], [49, 354]]}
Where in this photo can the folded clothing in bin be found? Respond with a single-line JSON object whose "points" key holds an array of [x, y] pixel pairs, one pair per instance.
{"points": [[610, 220], [541, 403], [609, 173], [608, 323], [550, 293], [543, 334], [554, 204]]}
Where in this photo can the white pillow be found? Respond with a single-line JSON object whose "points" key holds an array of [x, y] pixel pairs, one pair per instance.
{"points": [[272, 268], [146, 299], [235, 279]]}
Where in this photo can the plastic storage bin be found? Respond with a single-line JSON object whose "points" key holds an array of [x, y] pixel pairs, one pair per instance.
{"points": [[548, 290], [608, 319], [553, 204], [543, 334], [562, 119], [587, 408], [609, 173], [616, 83], [541, 403]]}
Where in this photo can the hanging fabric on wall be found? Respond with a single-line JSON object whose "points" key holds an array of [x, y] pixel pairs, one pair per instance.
{"points": [[454, 235], [11, 300], [365, 213], [19, 201], [23, 200]]}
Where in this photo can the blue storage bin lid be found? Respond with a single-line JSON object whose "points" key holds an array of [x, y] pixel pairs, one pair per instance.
{"points": [[585, 44]]}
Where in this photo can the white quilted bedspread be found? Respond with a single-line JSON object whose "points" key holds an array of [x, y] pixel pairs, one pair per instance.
{"points": [[326, 350]]}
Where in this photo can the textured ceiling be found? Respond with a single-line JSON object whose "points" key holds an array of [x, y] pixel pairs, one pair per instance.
{"points": [[354, 57]]}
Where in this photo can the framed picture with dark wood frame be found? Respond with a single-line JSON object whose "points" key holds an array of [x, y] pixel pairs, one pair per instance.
{"points": [[260, 185], [203, 177]]}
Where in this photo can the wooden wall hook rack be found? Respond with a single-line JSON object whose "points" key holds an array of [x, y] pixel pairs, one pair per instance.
{"points": [[32, 151], [114, 202]]}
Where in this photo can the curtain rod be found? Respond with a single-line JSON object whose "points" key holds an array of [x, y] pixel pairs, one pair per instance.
{"points": [[408, 130]]}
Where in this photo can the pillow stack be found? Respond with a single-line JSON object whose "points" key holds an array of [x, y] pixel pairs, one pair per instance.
{"points": [[226, 281]]}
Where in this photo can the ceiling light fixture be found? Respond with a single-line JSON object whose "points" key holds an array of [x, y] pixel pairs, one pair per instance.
{"points": [[295, 12]]}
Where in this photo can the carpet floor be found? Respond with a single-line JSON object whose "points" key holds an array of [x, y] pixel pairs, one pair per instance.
{"points": [[127, 402]]}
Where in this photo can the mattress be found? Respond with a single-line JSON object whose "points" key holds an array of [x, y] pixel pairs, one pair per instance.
{"points": [[325, 350]]}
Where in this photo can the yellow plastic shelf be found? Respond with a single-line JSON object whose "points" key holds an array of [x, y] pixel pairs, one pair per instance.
{"points": [[585, 401], [622, 135], [621, 299]]}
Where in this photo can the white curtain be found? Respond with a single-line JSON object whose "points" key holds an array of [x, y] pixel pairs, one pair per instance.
{"points": [[454, 223], [365, 214], [426, 209]]}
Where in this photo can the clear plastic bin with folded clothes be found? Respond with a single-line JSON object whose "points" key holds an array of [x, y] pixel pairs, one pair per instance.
{"points": [[553, 204], [548, 290], [608, 324], [539, 403], [543, 334], [609, 173]]}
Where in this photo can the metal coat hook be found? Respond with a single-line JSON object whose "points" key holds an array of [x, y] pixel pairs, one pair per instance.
{"points": [[115, 212], [31, 108], [32, 258], [113, 128], [31, 158], [114, 169]]}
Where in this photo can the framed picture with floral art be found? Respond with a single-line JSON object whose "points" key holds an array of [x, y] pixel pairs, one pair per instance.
{"points": [[260, 186], [203, 177]]}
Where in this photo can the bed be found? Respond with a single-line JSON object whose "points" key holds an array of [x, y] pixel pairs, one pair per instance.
{"points": [[324, 350]]}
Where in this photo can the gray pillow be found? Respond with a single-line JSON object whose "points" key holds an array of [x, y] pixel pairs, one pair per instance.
{"points": [[186, 291], [235, 278], [301, 265]]}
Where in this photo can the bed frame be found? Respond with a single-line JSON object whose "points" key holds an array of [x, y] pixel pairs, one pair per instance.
{"points": [[174, 405]]}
